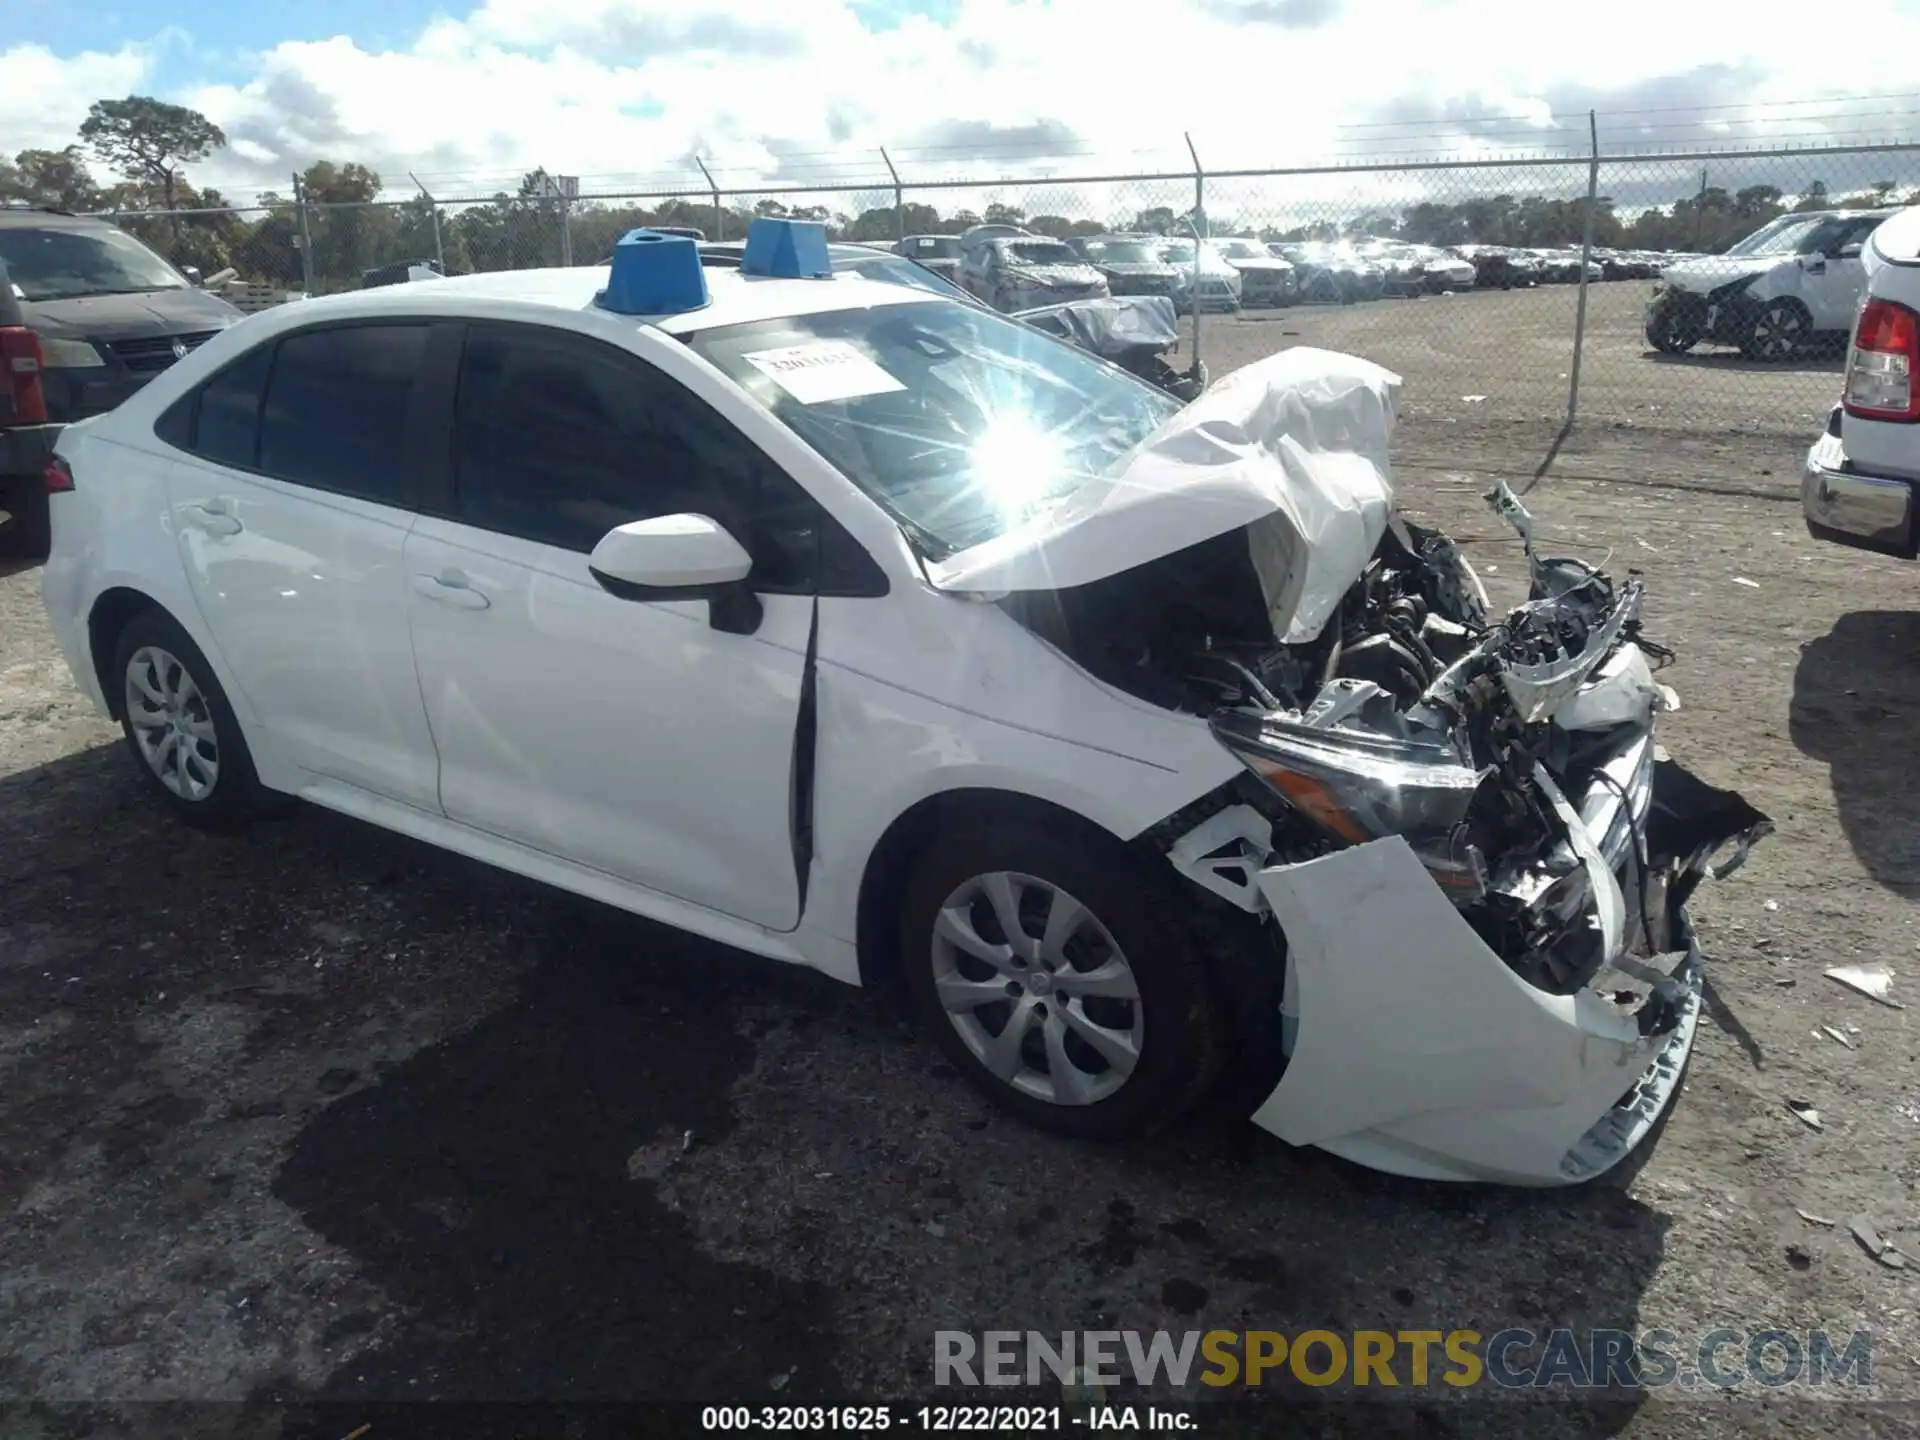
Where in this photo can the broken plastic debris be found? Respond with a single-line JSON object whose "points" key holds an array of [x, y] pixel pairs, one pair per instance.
{"points": [[936, 1229], [1839, 1035], [686, 1142], [1813, 1219], [1803, 1110], [1873, 981], [779, 1382], [1472, 399], [1771, 905], [1743, 580], [1876, 1244]]}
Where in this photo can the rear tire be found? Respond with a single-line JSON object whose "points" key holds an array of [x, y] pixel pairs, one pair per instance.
{"points": [[1119, 1028], [185, 740]]}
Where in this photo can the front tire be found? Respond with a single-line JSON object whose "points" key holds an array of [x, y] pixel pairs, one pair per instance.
{"points": [[185, 740], [1778, 333], [1050, 970]]}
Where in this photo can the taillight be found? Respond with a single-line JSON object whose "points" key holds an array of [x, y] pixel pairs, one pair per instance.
{"points": [[1882, 365], [20, 389], [59, 476]]}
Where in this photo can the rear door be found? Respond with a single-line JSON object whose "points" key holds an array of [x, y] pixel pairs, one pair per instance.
{"points": [[291, 507]]}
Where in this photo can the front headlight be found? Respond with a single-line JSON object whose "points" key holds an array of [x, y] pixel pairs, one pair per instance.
{"points": [[69, 355]]}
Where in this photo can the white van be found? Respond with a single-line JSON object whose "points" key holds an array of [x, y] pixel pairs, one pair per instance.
{"points": [[1859, 480]]}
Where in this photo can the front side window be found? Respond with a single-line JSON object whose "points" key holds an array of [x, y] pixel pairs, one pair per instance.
{"points": [[957, 422], [560, 440], [336, 408], [65, 262]]}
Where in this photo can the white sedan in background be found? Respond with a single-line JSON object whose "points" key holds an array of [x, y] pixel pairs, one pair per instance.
{"points": [[857, 627]]}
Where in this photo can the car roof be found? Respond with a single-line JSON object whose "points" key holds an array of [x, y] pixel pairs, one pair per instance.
{"points": [[42, 218], [734, 299]]}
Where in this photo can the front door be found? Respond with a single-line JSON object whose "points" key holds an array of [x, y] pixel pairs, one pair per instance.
{"points": [[628, 736]]}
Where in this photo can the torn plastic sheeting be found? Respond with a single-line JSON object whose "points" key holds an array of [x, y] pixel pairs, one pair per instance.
{"points": [[1114, 327], [1297, 441], [1403, 1013]]}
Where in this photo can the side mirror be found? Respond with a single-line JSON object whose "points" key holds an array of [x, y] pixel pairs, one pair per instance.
{"points": [[192, 272], [1848, 251], [680, 557]]}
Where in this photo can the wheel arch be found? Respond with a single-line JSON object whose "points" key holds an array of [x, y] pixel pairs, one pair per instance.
{"points": [[113, 610], [892, 857]]}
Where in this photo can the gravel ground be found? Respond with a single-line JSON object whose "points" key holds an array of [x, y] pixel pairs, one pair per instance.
{"points": [[319, 1114]]}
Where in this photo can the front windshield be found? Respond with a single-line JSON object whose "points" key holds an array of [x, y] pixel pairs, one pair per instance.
{"points": [[1789, 235], [63, 263], [960, 423], [1041, 252], [897, 270], [1129, 252]]}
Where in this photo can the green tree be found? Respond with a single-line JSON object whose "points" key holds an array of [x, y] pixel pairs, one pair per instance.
{"points": [[999, 213], [58, 178], [148, 140]]}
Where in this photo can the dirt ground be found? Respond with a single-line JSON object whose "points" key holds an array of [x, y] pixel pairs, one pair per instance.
{"points": [[317, 1114]]}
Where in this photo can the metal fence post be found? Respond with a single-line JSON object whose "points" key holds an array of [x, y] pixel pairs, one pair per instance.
{"points": [[1199, 226], [899, 201], [306, 235], [433, 213], [1586, 258], [719, 215]]}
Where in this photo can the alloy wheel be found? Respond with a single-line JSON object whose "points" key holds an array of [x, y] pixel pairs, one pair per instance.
{"points": [[172, 723], [1037, 988]]}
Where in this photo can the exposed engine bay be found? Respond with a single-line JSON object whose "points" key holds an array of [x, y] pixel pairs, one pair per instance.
{"points": [[1515, 754]]}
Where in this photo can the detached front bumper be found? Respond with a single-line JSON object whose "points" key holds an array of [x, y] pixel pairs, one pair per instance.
{"points": [[1414, 1048], [1848, 507]]}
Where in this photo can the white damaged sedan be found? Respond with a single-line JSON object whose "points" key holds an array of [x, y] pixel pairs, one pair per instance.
{"points": [[861, 628]]}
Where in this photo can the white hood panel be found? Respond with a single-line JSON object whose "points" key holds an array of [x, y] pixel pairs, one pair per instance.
{"points": [[1293, 446]]}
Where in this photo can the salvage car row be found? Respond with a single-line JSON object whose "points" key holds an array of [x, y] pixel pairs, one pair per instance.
{"points": [[1012, 269]]}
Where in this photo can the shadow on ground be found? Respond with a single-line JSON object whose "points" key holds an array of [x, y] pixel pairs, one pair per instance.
{"points": [[1856, 707], [515, 1214]]}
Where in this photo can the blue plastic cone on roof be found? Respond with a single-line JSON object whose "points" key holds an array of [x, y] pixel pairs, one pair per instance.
{"points": [[654, 274], [787, 249]]}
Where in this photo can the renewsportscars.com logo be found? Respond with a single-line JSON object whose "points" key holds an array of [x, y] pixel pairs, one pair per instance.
{"points": [[1512, 1359]]}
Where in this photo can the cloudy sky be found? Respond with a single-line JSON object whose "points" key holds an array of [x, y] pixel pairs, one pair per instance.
{"points": [[624, 92]]}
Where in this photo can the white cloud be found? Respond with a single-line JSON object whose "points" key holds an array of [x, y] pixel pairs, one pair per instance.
{"points": [[770, 91]]}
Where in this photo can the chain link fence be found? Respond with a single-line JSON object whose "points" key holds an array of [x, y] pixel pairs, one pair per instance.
{"points": [[1700, 293]]}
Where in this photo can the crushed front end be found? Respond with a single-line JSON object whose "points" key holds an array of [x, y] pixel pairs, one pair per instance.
{"points": [[1479, 862]]}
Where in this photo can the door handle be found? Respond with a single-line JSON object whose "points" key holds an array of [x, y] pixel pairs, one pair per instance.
{"points": [[213, 517], [451, 588]]}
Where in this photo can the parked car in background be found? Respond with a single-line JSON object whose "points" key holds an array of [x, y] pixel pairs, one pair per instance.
{"points": [[1442, 272], [1265, 278], [1135, 332], [1211, 285], [938, 253], [1561, 266], [1861, 483], [90, 315], [1332, 274], [1790, 285], [1497, 267], [402, 272], [1020, 272], [1136, 265]]}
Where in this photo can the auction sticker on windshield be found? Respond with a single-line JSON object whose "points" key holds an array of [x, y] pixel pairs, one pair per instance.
{"points": [[823, 371]]}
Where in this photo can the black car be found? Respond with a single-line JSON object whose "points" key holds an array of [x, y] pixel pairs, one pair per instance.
{"points": [[93, 315], [1495, 267]]}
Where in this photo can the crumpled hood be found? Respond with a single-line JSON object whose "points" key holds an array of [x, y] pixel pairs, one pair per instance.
{"points": [[1702, 277], [1294, 447], [1055, 274]]}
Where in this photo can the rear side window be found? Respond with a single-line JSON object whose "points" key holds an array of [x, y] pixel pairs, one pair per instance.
{"points": [[228, 426], [336, 406]]}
